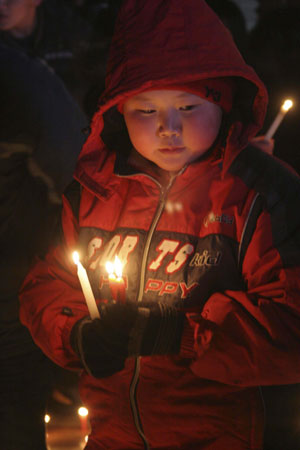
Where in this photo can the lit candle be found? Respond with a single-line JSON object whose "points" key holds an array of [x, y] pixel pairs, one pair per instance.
{"points": [[84, 422], [285, 107], [86, 288], [116, 281]]}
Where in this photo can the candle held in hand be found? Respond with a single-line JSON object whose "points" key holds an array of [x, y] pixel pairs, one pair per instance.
{"points": [[116, 281], [286, 106], [86, 288]]}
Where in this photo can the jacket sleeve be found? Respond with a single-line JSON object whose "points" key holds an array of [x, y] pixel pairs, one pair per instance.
{"points": [[252, 337], [51, 300]]}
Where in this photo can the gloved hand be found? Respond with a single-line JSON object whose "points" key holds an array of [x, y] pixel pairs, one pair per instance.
{"points": [[102, 343], [124, 330]]}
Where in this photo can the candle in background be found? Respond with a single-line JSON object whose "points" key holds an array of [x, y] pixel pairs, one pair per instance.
{"points": [[285, 107], [84, 422], [116, 280], [86, 288]]}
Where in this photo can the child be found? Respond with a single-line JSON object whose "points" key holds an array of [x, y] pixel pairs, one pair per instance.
{"points": [[208, 231]]}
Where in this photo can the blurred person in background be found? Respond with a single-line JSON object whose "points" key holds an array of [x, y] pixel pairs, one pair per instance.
{"points": [[51, 31], [40, 137]]}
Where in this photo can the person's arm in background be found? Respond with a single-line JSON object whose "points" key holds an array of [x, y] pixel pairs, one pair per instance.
{"points": [[29, 211], [266, 145]]}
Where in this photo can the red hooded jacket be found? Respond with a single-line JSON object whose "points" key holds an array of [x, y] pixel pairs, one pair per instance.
{"points": [[221, 241]]}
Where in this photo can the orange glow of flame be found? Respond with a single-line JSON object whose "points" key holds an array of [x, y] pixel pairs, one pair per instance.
{"points": [[114, 269]]}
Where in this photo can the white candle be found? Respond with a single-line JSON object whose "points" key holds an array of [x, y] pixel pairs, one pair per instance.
{"points": [[84, 422], [286, 106], [86, 288]]}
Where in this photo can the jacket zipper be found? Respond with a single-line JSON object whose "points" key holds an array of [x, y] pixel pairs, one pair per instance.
{"points": [[135, 378]]}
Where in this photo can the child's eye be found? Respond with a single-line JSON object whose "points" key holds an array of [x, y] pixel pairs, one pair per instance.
{"points": [[187, 107]]}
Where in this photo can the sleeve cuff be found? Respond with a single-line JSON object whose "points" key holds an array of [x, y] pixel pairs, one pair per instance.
{"points": [[66, 336]]}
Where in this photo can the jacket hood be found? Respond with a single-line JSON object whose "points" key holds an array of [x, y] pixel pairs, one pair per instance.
{"points": [[161, 42]]}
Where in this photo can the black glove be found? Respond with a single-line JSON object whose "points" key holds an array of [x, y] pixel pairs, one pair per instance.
{"points": [[157, 330], [102, 343], [126, 330]]}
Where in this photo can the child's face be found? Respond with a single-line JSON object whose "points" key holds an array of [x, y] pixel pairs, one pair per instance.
{"points": [[171, 128]]}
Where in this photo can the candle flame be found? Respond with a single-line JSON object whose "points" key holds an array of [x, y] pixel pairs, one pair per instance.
{"points": [[109, 267], [82, 411], [76, 257], [287, 105], [114, 269]]}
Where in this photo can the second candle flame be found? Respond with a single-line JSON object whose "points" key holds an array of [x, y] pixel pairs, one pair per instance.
{"points": [[114, 269]]}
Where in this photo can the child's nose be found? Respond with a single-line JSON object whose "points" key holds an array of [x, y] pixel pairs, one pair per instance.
{"points": [[169, 124]]}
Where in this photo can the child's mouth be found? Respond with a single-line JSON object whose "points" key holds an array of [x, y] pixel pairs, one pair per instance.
{"points": [[171, 149]]}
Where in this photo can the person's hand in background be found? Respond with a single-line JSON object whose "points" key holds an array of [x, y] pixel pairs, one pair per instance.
{"points": [[266, 145]]}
